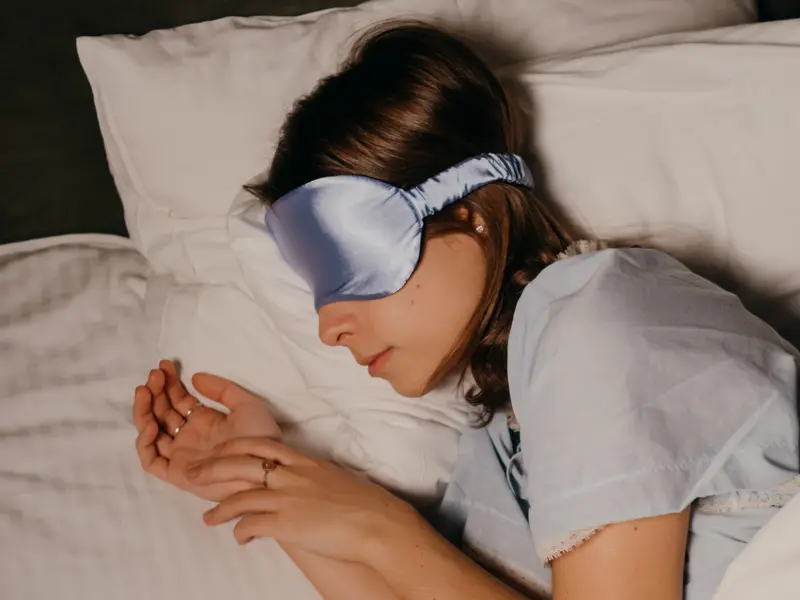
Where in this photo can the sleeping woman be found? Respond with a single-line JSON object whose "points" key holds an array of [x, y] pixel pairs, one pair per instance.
{"points": [[638, 426]]}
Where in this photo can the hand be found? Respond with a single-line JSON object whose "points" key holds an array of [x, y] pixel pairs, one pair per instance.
{"points": [[160, 407], [310, 504]]}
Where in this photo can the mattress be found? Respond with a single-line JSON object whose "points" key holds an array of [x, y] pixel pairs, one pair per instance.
{"points": [[78, 517]]}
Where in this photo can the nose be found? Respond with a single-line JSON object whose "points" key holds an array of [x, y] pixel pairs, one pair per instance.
{"points": [[336, 323]]}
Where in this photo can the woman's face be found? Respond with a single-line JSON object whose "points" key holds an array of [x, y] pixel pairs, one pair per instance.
{"points": [[403, 338]]}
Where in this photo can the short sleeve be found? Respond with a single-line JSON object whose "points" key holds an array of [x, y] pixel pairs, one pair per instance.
{"points": [[640, 387]]}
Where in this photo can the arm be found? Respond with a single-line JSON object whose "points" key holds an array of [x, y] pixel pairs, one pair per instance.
{"points": [[367, 535], [338, 579], [627, 561], [418, 564]]}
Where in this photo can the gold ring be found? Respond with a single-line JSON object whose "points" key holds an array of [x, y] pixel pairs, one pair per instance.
{"points": [[178, 428], [197, 405], [269, 466]]}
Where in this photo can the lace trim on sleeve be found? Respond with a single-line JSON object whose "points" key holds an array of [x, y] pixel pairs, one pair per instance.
{"points": [[775, 497], [583, 247], [553, 548]]}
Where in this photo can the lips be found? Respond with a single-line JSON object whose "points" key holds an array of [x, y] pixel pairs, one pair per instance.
{"points": [[365, 361], [374, 362]]}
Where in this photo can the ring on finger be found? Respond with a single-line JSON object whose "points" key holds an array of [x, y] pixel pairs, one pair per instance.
{"points": [[197, 405], [178, 428], [269, 466]]}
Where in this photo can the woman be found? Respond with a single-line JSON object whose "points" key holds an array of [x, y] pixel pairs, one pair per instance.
{"points": [[639, 424]]}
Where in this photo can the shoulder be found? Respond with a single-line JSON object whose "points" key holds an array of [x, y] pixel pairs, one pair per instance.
{"points": [[632, 324], [583, 309], [614, 305], [614, 287]]}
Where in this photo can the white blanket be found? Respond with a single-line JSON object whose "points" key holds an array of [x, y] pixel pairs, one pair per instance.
{"points": [[78, 518], [769, 566]]}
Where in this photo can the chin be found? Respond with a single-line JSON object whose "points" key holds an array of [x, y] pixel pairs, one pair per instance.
{"points": [[408, 389]]}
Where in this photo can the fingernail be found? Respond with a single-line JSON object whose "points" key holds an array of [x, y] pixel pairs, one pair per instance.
{"points": [[208, 516]]}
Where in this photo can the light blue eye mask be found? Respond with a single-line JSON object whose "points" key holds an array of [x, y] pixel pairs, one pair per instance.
{"points": [[357, 238]]}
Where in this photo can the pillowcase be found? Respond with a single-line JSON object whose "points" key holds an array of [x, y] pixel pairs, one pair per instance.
{"points": [[687, 143], [188, 114]]}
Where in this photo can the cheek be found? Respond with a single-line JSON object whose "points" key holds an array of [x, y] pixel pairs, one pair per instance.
{"points": [[433, 314], [411, 316]]}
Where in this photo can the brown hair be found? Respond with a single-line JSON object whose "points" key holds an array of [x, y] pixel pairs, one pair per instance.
{"points": [[409, 102]]}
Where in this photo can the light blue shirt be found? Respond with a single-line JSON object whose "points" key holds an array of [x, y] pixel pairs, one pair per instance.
{"points": [[640, 389]]}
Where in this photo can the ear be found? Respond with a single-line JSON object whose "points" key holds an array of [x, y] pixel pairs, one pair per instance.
{"points": [[464, 213]]}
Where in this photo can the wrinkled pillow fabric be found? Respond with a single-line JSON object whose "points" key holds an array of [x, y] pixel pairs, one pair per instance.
{"points": [[189, 114], [688, 143]]}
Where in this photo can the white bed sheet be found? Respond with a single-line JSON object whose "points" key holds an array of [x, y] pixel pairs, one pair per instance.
{"points": [[769, 566], [78, 517]]}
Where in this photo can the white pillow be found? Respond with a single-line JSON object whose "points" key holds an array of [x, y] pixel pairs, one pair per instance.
{"points": [[188, 114], [690, 141]]}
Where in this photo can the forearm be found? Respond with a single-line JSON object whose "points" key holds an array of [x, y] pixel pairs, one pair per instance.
{"points": [[339, 580], [419, 564]]}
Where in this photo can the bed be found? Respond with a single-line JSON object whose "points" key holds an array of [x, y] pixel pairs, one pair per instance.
{"points": [[92, 297], [79, 517]]}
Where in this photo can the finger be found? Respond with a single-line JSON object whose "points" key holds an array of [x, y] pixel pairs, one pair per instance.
{"points": [[168, 418], [149, 457], [163, 442], [261, 447], [256, 500], [222, 390], [161, 407], [144, 418], [258, 525], [242, 467], [155, 382], [142, 408], [164, 445], [178, 397]]}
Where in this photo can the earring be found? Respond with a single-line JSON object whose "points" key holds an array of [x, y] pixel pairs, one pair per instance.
{"points": [[479, 228]]}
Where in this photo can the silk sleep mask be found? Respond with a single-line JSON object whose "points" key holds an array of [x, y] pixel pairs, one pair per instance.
{"points": [[352, 237]]}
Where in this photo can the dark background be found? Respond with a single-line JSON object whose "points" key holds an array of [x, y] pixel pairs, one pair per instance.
{"points": [[53, 173]]}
